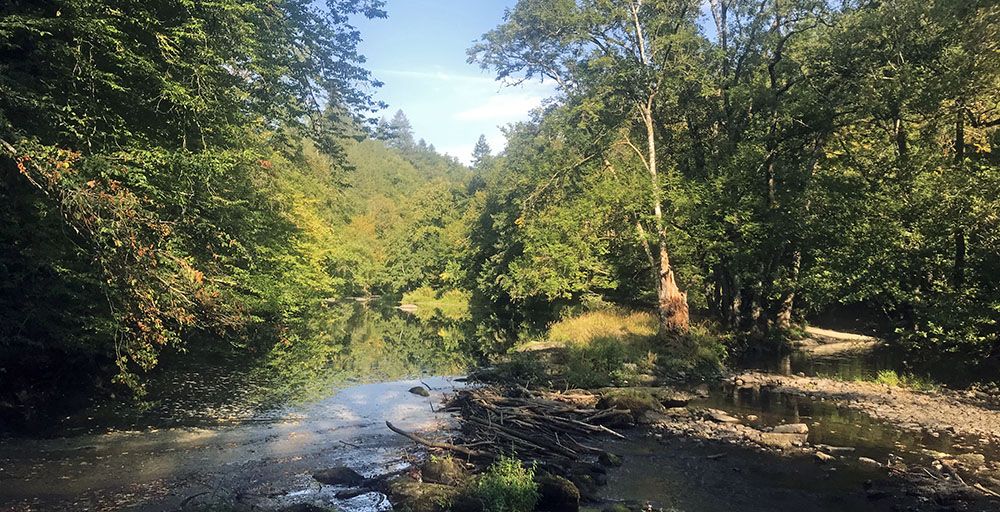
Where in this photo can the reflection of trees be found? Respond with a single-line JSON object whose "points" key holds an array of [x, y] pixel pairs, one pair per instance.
{"points": [[352, 342]]}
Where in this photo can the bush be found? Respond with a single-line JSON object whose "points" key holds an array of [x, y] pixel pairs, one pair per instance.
{"points": [[607, 361], [508, 486]]}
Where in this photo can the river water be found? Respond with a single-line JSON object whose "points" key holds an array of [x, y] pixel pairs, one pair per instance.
{"points": [[252, 437]]}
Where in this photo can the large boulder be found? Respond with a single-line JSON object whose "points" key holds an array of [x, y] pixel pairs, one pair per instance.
{"points": [[792, 428], [636, 401], [557, 494], [339, 475], [782, 441]]}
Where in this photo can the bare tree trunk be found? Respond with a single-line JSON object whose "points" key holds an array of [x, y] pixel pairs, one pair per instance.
{"points": [[673, 306]]}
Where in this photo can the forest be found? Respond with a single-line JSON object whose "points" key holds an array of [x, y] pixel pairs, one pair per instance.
{"points": [[172, 178]]}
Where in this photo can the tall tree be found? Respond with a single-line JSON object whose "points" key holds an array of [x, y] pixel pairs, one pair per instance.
{"points": [[481, 153], [400, 132], [627, 58]]}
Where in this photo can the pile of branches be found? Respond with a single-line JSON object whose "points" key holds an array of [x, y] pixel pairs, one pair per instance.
{"points": [[552, 428]]}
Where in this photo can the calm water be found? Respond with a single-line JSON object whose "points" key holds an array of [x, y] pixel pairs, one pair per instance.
{"points": [[357, 344]]}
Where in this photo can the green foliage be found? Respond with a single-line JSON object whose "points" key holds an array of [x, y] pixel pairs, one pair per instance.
{"points": [[162, 195], [844, 155], [508, 486]]}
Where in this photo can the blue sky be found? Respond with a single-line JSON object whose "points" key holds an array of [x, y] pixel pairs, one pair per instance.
{"points": [[419, 53]]}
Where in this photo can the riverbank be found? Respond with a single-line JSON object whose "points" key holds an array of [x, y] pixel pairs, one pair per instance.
{"points": [[766, 463], [936, 411]]}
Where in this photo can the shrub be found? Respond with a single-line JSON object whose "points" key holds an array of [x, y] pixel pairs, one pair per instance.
{"points": [[508, 486]]}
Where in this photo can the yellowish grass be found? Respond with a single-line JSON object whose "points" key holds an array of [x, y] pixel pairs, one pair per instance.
{"points": [[608, 324]]}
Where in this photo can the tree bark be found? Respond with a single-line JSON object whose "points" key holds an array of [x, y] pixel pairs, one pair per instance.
{"points": [[673, 306], [783, 318]]}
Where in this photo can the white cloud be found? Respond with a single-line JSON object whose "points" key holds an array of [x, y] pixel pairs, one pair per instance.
{"points": [[506, 107]]}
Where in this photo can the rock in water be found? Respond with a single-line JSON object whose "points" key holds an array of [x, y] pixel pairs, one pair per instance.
{"points": [[823, 457], [720, 416], [609, 459], [340, 475], [443, 470], [783, 441], [420, 390], [792, 428], [557, 494]]}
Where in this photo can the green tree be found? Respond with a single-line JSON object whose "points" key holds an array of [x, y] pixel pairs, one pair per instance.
{"points": [[615, 61], [481, 154]]}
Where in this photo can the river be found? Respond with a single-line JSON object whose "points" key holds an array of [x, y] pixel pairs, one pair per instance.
{"points": [[252, 436]]}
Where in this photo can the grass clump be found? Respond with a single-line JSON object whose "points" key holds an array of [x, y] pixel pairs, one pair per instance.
{"points": [[508, 486], [904, 380], [602, 325]]}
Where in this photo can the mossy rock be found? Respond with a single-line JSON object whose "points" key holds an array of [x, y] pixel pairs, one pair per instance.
{"points": [[609, 459], [557, 494], [443, 470], [409, 495], [636, 401]]}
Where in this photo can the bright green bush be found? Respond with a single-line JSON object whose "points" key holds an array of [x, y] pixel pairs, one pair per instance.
{"points": [[508, 486]]}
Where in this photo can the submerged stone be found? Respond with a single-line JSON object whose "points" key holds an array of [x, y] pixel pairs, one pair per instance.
{"points": [[339, 475]]}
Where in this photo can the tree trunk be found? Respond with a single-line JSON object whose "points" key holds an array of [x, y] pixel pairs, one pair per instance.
{"points": [[673, 306], [783, 317], [958, 270]]}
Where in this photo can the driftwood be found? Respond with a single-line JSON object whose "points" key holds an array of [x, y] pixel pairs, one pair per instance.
{"points": [[551, 428], [433, 444]]}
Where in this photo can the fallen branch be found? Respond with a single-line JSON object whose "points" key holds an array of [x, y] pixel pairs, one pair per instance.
{"points": [[433, 444]]}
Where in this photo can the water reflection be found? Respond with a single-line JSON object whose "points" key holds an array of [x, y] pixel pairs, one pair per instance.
{"points": [[350, 343]]}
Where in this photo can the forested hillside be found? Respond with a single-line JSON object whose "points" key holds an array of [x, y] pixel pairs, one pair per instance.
{"points": [[182, 175]]}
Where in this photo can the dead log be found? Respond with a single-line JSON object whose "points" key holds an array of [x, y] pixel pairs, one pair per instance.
{"points": [[433, 444]]}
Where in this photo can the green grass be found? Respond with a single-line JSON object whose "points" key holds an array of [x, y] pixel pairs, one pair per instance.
{"points": [[910, 381], [601, 325], [889, 378], [508, 486], [619, 347]]}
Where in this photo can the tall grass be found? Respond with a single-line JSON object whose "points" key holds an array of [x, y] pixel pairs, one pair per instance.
{"points": [[606, 324]]}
